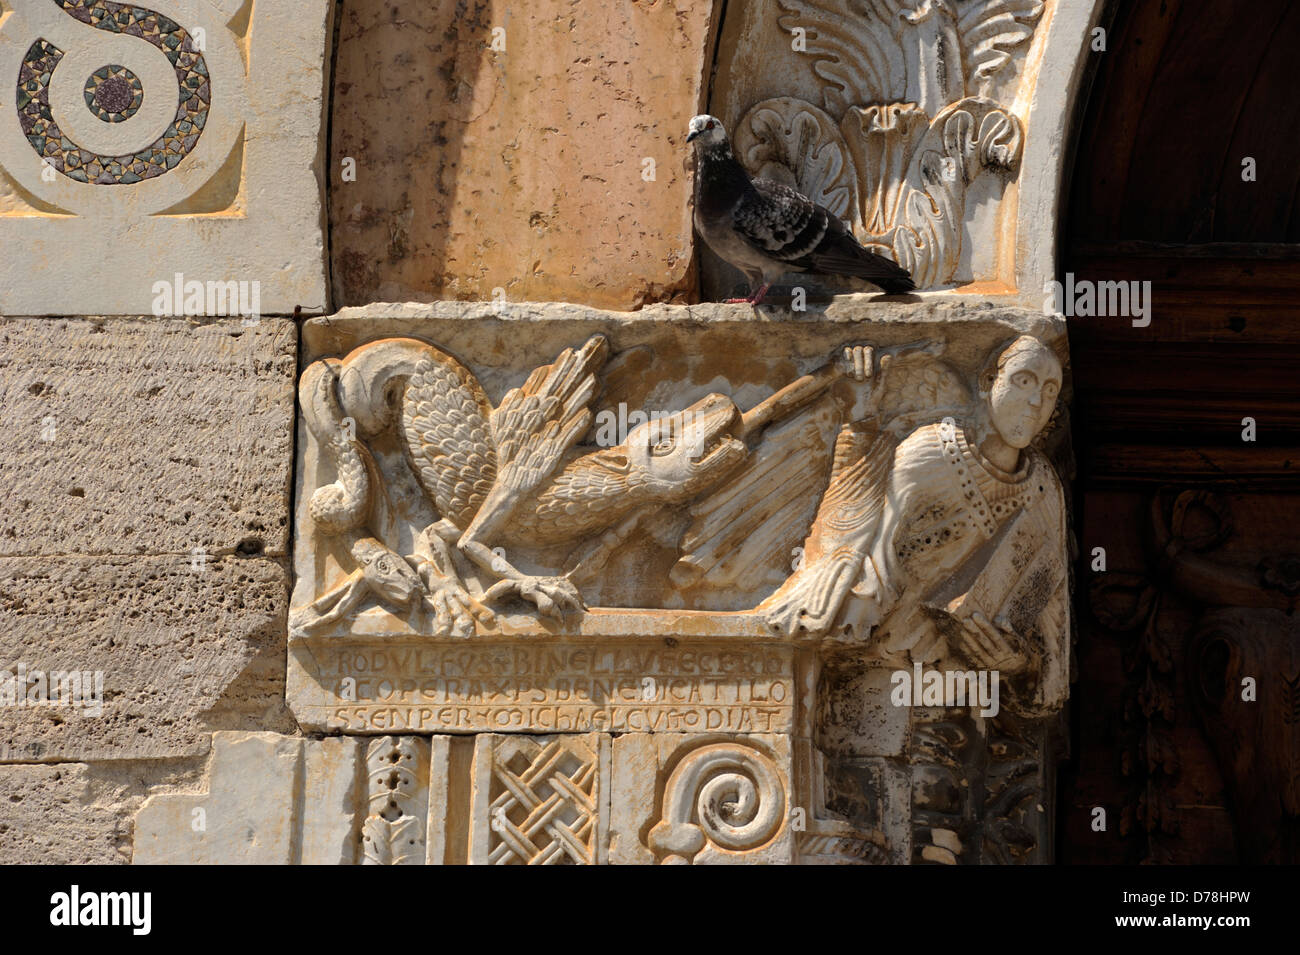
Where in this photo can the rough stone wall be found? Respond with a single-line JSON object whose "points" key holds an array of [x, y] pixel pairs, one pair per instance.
{"points": [[146, 465]]}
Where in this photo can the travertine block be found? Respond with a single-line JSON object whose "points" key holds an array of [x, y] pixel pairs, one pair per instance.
{"points": [[158, 146], [56, 815], [457, 120], [146, 437], [175, 652]]}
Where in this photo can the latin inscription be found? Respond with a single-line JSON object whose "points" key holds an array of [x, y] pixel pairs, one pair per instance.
{"points": [[568, 688]]}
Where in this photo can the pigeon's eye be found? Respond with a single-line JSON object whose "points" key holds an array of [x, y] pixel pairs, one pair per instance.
{"points": [[712, 124]]}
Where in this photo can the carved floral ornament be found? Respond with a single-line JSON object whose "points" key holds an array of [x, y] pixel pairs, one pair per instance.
{"points": [[908, 120]]}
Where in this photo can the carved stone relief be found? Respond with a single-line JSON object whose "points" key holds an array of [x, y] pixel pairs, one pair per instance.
{"points": [[540, 801], [619, 532], [897, 115], [164, 127]]}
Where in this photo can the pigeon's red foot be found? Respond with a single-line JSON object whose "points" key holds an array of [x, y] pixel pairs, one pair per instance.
{"points": [[755, 299]]}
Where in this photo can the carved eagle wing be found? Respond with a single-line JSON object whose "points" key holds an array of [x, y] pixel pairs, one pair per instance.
{"points": [[536, 423], [917, 389], [446, 420]]}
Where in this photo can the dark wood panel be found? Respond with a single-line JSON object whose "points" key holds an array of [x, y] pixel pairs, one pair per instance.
{"points": [[1185, 92]]}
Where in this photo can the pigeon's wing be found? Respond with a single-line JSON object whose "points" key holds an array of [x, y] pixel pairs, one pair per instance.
{"points": [[791, 228], [747, 529], [445, 417], [537, 422], [781, 223]]}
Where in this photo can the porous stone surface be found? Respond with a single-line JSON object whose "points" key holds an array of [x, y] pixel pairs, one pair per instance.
{"points": [[148, 464], [540, 152], [181, 652], [79, 814], [145, 436]]}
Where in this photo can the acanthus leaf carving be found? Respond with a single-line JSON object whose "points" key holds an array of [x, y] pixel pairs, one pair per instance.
{"points": [[797, 144], [928, 52], [911, 171], [914, 86], [990, 31]]}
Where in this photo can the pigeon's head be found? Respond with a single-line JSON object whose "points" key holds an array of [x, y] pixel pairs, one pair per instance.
{"points": [[707, 131]]}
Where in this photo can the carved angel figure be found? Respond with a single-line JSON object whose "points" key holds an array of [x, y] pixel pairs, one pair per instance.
{"points": [[954, 528]]}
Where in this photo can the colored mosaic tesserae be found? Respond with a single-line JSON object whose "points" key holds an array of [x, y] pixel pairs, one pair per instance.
{"points": [[114, 94]]}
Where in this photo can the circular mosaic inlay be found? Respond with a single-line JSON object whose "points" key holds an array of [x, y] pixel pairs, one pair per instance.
{"points": [[114, 93]]}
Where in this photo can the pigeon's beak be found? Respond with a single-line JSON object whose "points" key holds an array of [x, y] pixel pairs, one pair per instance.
{"points": [[694, 134]]}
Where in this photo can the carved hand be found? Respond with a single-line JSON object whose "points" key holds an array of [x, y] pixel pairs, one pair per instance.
{"points": [[992, 645], [857, 362]]}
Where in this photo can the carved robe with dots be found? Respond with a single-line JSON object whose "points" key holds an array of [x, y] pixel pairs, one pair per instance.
{"points": [[913, 534]]}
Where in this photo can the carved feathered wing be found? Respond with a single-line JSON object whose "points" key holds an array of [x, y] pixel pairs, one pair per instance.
{"points": [[847, 523], [917, 390], [537, 422], [749, 526], [446, 418]]}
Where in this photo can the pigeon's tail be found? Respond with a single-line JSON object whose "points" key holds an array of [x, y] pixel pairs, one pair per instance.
{"points": [[841, 254]]}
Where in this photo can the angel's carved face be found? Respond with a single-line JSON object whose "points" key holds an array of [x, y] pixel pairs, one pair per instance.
{"points": [[1023, 395]]}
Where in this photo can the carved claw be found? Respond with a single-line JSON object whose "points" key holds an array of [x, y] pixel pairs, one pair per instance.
{"points": [[789, 617], [552, 595], [810, 600], [455, 610]]}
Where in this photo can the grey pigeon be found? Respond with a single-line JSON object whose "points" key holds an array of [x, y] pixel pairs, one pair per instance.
{"points": [[766, 229]]}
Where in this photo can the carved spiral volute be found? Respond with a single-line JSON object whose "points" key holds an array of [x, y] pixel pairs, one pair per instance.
{"points": [[724, 794]]}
